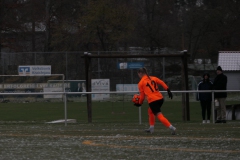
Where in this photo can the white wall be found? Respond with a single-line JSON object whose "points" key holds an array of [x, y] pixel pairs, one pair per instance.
{"points": [[233, 80]]}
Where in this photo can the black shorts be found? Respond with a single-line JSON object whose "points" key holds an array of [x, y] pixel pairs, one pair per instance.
{"points": [[156, 106]]}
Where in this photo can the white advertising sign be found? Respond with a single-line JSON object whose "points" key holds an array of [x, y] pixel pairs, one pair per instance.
{"points": [[100, 85], [127, 87], [52, 90], [34, 70]]}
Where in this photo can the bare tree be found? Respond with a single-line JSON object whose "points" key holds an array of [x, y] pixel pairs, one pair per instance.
{"points": [[105, 23]]}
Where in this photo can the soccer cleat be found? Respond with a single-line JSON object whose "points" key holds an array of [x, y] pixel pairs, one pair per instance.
{"points": [[149, 130], [173, 130], [203, 121], [208, 121]]}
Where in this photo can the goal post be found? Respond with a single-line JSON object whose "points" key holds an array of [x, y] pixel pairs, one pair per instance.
{"points": [[182, 55]]}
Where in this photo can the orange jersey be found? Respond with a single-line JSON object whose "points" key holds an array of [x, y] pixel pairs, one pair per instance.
{"points": [[149, 88]]}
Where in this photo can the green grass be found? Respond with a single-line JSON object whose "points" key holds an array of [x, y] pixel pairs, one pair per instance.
{"points": [[102, 112], [106, 112], [107, 141], [115, 133]]}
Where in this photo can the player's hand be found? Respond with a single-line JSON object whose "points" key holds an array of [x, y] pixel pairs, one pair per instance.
{"points": [[169, 93], [137, 105]]}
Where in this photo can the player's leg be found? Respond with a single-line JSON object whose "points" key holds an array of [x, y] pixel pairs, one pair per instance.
{"points": [[151, 120], [151, 117], [156, 109], [166, 123]]}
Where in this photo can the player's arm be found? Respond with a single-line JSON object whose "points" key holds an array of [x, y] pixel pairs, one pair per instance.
{"points": [[159, 81], [164, 85], [141, 93]]}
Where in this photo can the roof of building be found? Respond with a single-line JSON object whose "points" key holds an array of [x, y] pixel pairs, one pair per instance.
{"points": [[203, 67], [229, 60]]}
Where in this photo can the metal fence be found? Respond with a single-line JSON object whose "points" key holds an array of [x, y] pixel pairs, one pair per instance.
{"points": [[234, 97], [72, 65]]}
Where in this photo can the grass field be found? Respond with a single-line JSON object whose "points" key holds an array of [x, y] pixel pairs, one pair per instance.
{"points": [[115, 133]]}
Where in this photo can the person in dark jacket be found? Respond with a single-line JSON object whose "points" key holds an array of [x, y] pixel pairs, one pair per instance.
{"points": [[205, 98], [220, 83]]}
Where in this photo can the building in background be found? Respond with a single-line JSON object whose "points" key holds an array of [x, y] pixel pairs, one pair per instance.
{"points": [[230, 63]]}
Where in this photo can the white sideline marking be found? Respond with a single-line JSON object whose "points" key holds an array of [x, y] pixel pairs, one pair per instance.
{"points": [[63, 121]]}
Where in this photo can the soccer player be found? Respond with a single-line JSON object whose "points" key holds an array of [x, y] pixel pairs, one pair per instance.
{"points": [[148, 86]]}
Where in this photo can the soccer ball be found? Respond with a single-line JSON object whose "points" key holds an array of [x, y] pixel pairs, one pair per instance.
{"points": [[136, 98]]}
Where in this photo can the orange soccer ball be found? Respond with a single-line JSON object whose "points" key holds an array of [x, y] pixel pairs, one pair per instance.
{"points": [[136, 98]]}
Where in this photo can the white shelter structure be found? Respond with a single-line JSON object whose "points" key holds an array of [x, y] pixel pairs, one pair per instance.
{"points": [[230, 63]]}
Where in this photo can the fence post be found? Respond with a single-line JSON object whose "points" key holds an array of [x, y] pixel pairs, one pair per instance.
{"points": [[213, 110], [185, 96], [65, 107]]}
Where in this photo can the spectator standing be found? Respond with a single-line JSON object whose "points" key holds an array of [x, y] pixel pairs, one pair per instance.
{"points": [[220, 83], [205, 98]]}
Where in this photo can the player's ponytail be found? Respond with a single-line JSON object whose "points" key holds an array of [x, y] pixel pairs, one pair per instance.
{"points": [[144, 71]]}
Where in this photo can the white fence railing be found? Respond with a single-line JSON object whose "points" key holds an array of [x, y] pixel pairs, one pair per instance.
{"points": [[120, 92]]}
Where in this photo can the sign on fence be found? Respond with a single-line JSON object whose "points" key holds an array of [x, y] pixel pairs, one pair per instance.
{"points": [[130, 65], [34, 70], [100, 85], [52, 90], [127, 87]]}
